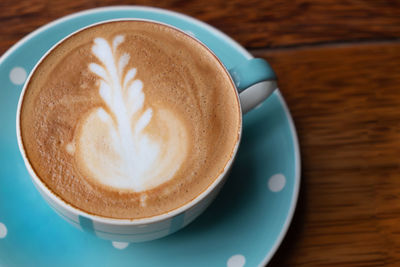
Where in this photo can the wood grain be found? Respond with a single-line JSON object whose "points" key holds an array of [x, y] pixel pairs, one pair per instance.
{"points": [[346, 105], [254, 23]]}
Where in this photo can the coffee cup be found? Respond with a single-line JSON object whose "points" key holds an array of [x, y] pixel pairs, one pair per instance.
{"points": [[128, 128]]}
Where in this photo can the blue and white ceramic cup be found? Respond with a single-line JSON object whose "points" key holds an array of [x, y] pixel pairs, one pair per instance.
{"points": [[255, 81]]}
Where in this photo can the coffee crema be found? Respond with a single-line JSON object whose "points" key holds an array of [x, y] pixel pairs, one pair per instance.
{"points": [[129, 119]]}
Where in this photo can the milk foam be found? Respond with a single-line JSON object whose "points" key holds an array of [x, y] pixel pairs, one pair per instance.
{"points": [[112, 145], [131, 125]]}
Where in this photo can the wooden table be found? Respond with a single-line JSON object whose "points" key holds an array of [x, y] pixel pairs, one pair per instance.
{"points": [[339, 67]]}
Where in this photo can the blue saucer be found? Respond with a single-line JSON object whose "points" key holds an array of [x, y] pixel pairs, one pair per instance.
{"points": [[243, 227]]}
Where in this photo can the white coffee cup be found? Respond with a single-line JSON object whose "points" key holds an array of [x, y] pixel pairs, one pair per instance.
{"points": [[254, 80]]}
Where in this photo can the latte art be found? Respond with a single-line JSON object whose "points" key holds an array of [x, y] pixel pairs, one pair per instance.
{"points": [[113, 145], [129, 119]]}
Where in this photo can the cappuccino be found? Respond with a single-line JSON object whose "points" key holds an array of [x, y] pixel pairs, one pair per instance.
{"points": [[129, 119]]}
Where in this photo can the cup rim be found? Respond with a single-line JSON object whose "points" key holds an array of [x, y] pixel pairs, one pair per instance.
{"points": [[120, 221]]}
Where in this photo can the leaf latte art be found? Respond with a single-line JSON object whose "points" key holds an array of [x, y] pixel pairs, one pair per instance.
{"points": [[113, 144], [129, 119]]}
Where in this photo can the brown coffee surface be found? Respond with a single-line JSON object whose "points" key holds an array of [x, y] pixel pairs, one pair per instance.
{"points": [[129, 119]]}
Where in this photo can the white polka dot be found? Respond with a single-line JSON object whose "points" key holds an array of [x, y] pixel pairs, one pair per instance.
{"points": [[190, 33], [120, 245], [3, 230], [236, 261], [277, 182], [18, 75]]}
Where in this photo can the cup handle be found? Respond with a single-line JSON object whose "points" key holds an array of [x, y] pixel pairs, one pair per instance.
{"points": [[255, 81]]}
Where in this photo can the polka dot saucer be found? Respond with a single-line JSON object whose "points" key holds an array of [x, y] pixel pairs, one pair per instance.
{"points": [[243, 227]]}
